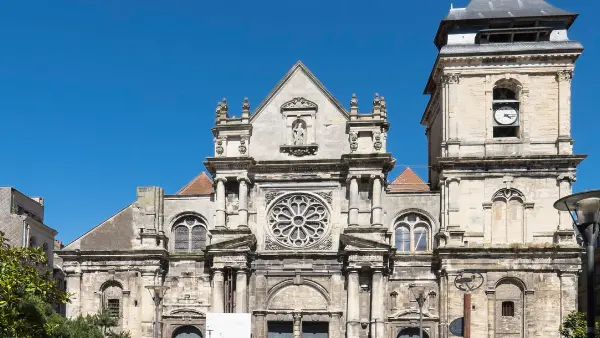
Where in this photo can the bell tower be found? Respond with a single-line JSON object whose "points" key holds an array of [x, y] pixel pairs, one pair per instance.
{"points": [[498, 124], [499, 117]]}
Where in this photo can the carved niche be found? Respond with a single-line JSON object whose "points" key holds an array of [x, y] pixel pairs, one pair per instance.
{"points": [[299, 114]]}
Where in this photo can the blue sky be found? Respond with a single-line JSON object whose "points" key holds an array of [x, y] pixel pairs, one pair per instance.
{"points": [[99, 97]]}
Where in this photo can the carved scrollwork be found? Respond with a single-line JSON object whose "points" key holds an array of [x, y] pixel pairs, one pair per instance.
{"points": [[242, 147], [326, 195], [377, 144], [299, 103], [219, 145], [270, 195], [325, 245], [270, 244], [353, 138], [299, 150], [450, 78], [564, 75]]}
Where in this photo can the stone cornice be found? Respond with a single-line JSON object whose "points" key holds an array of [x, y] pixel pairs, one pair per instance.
{"points": [[79, 255], [523, 251], [529, 162], [213, 164]]}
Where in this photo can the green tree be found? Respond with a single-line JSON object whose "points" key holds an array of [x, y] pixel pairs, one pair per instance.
{"points": [[575, 326], [25, 283]]}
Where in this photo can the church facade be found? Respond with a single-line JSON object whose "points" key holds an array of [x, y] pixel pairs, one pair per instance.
{"points": [[300, 226]]}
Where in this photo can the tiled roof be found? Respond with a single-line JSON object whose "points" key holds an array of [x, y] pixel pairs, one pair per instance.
{"points": [[408, 181], [201, 185]]}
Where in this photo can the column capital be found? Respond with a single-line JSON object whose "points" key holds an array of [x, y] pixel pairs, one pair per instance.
{"points": [[220, 179], [352, 269], [453, 179], [243, 178], [453, 78], [564, 75], [377, 176], [566, 177], [349, 178]]}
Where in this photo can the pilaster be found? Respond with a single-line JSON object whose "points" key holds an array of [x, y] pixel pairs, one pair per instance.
{"points": [[564, 141], [353, 202]]}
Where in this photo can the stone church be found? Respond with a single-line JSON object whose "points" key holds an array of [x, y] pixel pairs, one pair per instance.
{"points": [[299, 225]]}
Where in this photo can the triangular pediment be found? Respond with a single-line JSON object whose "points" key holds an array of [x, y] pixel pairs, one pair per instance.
{"points": [[355, 243], [243, 242], [299, 69]]}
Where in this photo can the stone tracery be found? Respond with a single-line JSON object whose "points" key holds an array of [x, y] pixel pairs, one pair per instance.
{"points": [[298, 220]]}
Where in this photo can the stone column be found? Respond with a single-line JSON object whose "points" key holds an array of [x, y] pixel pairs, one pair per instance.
{"points": [[241, 293], [353, 206], [443, 326], [218, 290], [491, 315], [335, 326], [220, 197], [73, 280], [568, 293], [563, 77], [565, 182], [243, 199], [147, 307], [376, 209], [297, 324], [353, 305], [377, 325]]}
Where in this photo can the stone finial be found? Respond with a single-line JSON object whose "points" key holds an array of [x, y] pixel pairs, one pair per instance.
{"points": [[383, 106], [224, 106], [376, 100], [245, 110], [353, 105], [218, 111], [246, 105], [376, 105]]}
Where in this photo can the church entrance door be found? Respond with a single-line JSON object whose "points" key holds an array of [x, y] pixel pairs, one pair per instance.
{"points": [[412, 332], [187, 332], [281, 330], [315, 330]]}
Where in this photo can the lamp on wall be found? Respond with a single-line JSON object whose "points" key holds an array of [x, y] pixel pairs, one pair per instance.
{"points": [[420, 298], [157, 292], [586, 206]]}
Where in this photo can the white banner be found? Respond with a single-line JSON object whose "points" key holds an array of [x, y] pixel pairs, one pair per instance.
{"points": [[228, 325]]}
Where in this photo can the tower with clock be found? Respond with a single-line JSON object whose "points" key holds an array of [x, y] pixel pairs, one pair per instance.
{"points": [[500, 153]]}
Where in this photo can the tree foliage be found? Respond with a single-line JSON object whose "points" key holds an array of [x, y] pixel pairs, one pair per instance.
{"points": [[27, 293], [25, 281], [575, 326]]}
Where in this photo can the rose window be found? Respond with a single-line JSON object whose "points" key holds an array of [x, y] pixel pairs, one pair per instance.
{"points": [[298, 220]]}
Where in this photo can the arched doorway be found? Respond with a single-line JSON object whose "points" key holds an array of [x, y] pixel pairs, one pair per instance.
{"points": [[187, 332], [412, 332]]}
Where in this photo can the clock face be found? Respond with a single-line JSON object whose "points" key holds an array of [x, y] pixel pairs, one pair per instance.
{"points": [[506, 115]]}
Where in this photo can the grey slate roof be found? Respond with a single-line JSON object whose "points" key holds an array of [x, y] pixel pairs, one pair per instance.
{"points": [[488, 9]]}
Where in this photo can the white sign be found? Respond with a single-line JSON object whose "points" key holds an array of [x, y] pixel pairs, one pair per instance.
{"points": [[228, 325]]}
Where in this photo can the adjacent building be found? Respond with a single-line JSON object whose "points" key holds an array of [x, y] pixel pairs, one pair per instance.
{"points": [[299, 225]]}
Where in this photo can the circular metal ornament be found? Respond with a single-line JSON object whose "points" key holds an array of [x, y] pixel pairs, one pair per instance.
{"points": [[298, 220], [468, 281]]}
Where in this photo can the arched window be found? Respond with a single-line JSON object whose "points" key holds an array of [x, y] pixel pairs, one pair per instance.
{"points": [[189, 233], [506, 109], [412, 233], [508, 217], [187, 331], [112, 299]]}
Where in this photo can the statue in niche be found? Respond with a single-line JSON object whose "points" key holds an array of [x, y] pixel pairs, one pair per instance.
{"points": [[299, 132]]}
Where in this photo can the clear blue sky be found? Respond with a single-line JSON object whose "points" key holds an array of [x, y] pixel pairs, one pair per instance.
{"points": [[98, 97]]}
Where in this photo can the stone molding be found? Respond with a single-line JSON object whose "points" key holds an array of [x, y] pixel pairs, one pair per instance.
{"points": [[299, 103]]}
